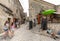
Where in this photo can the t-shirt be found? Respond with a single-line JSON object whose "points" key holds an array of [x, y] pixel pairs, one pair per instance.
{"points": [[49, 31], [7, 24], [13, 26]]}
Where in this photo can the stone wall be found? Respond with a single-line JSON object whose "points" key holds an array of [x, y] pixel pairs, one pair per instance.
{"points": [[58, 9], [35, 6], [3, 17], [6, 6]]}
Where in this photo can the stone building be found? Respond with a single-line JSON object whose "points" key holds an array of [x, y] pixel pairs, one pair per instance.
{"points": [[36, 6], [10, 9]]}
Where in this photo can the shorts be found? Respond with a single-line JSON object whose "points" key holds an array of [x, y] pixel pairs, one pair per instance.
{"points": [[5, 29]]}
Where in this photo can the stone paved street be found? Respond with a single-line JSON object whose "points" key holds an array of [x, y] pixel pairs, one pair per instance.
{"points": [[55, 26], [23, 34]]}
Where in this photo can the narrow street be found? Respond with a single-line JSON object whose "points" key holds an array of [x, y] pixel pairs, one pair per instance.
{"points": [[23, 34], [29, 20]]}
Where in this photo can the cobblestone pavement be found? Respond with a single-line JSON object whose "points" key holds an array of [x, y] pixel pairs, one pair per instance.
{"points": [[55, 26], [4, 39], [24, 34]]}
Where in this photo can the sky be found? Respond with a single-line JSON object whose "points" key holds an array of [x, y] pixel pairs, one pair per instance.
{"points": [[25, 4], [56, 2]]}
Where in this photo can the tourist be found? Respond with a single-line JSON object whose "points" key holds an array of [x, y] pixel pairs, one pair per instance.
{"points": [[44, 23], [5, 28], [52, 33], [12, 29], [30, 24], [17, 23], [9, 22], [34, 22], [58, 32], [38, 18], [49, 31]]}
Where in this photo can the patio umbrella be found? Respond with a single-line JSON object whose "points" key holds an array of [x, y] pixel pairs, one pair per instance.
{"points": [[48, 12]]}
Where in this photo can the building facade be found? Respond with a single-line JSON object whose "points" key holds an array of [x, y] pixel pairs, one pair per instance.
{"points": [[36, 6], [10, 9]]}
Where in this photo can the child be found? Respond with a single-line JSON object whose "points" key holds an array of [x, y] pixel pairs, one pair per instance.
{"points": [[5, 30], [12, 28]]}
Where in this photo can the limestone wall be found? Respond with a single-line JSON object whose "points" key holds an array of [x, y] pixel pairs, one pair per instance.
{"points": [[3, 17], [58, 9], [35, 6]]}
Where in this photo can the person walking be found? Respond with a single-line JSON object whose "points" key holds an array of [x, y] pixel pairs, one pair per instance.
{"points": [[5, 28], [44, 23], [30, 24], [34, 22], [12, 29], [39, 18]]}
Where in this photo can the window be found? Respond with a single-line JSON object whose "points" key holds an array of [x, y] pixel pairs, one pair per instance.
{"points": [[16, 10]]}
